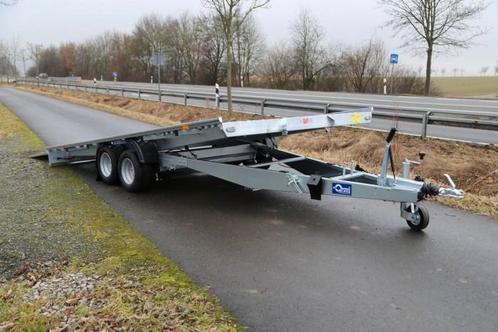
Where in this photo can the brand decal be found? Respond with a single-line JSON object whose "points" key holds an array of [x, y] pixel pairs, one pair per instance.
{"points": [[342, 189]]}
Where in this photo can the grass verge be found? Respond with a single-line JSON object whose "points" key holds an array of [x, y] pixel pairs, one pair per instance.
{"points": [[468, 87], [473, 167], [69, 261]]}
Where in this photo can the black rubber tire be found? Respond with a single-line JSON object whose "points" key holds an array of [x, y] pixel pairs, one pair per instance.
{"points": [[424, 219], [113, 152], [144, 173]]}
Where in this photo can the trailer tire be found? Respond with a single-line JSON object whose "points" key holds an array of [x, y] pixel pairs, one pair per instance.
{"points": [[134, 176], [107, 164], [423, 221]]}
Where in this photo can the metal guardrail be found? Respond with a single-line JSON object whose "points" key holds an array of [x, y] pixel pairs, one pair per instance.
{"points": [[445, 117]]}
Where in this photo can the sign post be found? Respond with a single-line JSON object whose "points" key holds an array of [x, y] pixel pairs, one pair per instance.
{"points": [[393, 59], [158, 59], [115, 75]]}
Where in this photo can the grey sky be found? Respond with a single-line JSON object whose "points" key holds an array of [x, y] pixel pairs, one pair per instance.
{"points": [[345, 23]]}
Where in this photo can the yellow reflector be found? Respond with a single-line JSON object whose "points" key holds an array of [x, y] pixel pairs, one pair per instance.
{"points": [[185, 126], [356, 118]]}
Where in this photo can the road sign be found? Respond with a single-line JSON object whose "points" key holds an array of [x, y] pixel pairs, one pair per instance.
{"points": [[394, 58], [158, 59], [115, 74]]}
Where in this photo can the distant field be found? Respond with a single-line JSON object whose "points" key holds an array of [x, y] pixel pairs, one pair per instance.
{"points": [[475, 87]]}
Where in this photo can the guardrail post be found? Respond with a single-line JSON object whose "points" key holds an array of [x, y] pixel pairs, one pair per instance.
{"points": [[185, 99], [326, 109], [139, 94], [159, 95], [425, 122], [107, 90], [217, 101], [86, 90], [122, 92], [263, 106]]}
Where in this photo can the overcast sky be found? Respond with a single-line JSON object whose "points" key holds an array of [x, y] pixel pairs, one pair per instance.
{"points": [[346, 22]]}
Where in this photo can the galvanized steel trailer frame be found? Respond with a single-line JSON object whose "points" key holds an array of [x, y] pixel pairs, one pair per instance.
{"points": [[246, 153]]}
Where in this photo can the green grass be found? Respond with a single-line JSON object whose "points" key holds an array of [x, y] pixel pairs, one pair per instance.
{"points": [[126, 256], [472, 87]]}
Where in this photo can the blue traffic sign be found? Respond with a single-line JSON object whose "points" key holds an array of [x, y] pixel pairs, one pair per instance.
{"points": [[114, 74], [394, 59]]}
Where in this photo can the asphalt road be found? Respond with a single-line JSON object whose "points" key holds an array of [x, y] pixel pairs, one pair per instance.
{"points": [[281, 262], [426, 103], [334, 98]]}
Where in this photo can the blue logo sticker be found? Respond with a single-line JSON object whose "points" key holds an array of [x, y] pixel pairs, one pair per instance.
{"points": [[342, 189]]}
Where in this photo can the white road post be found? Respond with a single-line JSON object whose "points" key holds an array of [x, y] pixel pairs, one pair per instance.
{"points": [[217, 94], [151, 79], [241, 81], [385, 86]]}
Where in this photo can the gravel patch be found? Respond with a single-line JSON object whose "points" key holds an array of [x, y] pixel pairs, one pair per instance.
{"points": [[33, 229]]}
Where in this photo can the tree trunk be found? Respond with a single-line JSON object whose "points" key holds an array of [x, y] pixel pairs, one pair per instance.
{"points": [[229, 69], [304, 78], [428, 72]]}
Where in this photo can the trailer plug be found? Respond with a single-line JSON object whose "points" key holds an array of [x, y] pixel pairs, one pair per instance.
{"points": [[428, 190]]}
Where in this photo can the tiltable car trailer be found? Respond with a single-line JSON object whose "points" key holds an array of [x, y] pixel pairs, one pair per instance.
{"points": [[246, 153]]}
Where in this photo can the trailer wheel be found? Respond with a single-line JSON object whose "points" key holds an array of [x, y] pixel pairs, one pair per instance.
{"points": [[422, 219], [134, 176], [107, 164]]}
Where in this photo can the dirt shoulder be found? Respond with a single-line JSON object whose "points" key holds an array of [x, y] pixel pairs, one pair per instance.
{"points": [[473, 167], [69, 261]]}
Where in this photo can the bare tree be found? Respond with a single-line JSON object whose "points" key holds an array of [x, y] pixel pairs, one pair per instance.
{"points": [[310, 55], [14, 52], [419, 71], [227, 10], [364, 65], [278, 66], [24, 58], [35, 51], [190, 34], [247, 49], [213, 47], [4, 61], [150, 29], [434, 24]]}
